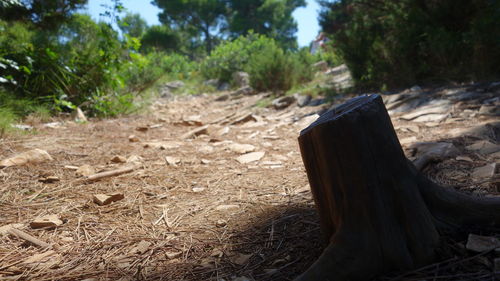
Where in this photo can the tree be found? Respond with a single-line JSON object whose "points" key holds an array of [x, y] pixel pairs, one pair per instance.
{"points": [[133, 24], [45, 14], [199, 18], [377, 212], [272, 18], [402, 42], [159, 38]]}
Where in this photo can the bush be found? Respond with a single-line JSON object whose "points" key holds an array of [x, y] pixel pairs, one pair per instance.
{"points": [[399, 43], [269, 66]]}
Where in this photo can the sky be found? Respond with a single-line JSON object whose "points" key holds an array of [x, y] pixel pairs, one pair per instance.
{"points": [[306, 17]]}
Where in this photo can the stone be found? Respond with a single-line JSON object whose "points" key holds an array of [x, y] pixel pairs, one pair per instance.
{"points": [[221, 223], [243, 91], [435, 149], [133, 138], [34, 156], [212, 83], [118, 159], [485, 172], [223, 87], [241, 79], [484, 147], [283, 102], [247, 117], [302, 100], [241, 148], [174, 85], [22, 127], [141, 248], [250, 157], [85, 170], [477, 243], [172, 161], [49, 221], [79, 116], [320, 66], [106, 199], [491, 110], [316, 102], [196, 132]]}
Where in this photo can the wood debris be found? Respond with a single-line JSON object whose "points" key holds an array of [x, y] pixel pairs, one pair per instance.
{"points": [[49, 221], [33, 156]]}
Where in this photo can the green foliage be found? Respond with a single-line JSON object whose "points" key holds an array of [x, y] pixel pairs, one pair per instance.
{"points": [[270, 67], [7, 117], [398, 43], [159, 38], [133, 25], [112, 104]]}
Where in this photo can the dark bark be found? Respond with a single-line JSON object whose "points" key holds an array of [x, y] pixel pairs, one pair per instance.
{"points": [[377, 212]]}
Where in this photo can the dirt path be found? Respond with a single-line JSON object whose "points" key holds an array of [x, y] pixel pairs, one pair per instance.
{"points": [[191, 210]]}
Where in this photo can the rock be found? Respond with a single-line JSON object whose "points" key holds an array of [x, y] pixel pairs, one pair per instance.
{"points": [[22, 127], [437, 109], [197, 189], [491, 110], [247, 117], [241, 148], [134, 158], [85, 170], [463, 158], [416, 88], [212, 83], [49, 179], [283, 102], [172, 161], [141, 248], [119, 159], [250, 157], [477, 243], [174, 85], [33, 156], [435, 149], [196, 132], [227, 207], [320, 66], [302, 100], [223, 87], [106, 199], [484, 147], [79, 116], [241, 79], [49, 221], [133, 138], [485, 172], [221, 223], [316, 102], [222, 97], [243, 91]]}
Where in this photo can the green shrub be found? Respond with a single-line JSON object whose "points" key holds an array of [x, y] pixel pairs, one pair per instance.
{"points": [[7, 117], [269, 66]]}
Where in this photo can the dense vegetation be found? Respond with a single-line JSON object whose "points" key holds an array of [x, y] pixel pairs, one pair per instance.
{"points": [[55, 58], [394, 43]]}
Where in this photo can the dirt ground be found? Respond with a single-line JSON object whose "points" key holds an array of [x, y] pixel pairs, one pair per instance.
{"points": [[190, 210]]}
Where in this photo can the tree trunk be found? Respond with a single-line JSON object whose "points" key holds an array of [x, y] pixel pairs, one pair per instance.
{"points": [[377, 212]]}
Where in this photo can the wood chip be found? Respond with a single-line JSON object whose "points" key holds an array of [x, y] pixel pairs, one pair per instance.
{"points": [[477, 243], [27, 237], [49, 179], [227, 207], [141, 247], [142, 128], [241, 148], [133, 138], [172, 161], [105, 199], [173, 255], [111, 173], [85, 170], [49, 221]]}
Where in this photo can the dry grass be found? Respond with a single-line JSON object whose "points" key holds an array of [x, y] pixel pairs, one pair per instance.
{"points": [[168, 226]]}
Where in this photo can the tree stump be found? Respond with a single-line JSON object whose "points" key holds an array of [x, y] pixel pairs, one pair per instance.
{"points": [[377, 211]]}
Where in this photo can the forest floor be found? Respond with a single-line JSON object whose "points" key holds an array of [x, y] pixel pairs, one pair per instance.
{"points": [[227, 201]]}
